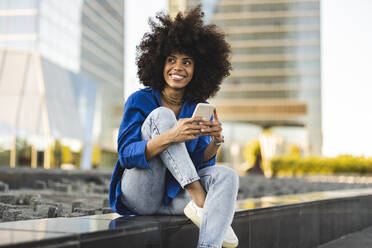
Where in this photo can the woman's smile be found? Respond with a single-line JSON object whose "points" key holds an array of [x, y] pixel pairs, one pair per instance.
{"points": [[176, 77]]}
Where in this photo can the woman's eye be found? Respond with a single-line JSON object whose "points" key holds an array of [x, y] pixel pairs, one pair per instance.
{"points": [[187, 62], [171, 60]]}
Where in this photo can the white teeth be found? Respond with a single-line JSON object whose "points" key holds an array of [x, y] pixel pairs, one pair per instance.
{"points": [[174, 76]]}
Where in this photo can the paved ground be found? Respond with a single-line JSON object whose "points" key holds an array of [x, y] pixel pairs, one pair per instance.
{"points": [[257, 186], [361, 239]]}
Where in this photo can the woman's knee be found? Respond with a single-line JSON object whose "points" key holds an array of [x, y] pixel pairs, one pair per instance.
{"points": [[228, 176], [163, 112], [164, 116], [158, 121]]}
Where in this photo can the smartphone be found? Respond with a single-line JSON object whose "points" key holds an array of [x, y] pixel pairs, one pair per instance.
{"points": [[204, 110]]}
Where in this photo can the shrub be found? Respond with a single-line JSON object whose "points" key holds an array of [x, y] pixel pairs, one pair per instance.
{"points": [[345, 164], [23, 152]]}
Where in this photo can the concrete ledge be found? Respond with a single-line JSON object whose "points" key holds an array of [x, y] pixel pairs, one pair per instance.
{"points": [[306, 220], [307, 224]]}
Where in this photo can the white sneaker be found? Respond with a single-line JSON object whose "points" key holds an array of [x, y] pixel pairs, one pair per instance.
{"points": [[230, 240], [195, 213]]}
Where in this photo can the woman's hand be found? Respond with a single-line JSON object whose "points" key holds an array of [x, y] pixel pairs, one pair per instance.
{"points": [[213, 128], [185, 129]]}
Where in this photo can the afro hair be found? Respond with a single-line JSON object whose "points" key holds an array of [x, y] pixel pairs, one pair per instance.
{"points": [[188, 35]]}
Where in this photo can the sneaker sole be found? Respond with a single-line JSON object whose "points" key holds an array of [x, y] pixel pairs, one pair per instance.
{"points": [[196, 220], [229, 245]]}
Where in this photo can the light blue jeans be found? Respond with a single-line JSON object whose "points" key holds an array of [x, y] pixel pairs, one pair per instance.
{"points": [[143, 189]]}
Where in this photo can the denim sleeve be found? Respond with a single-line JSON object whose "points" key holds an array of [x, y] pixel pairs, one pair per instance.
{"points": [[131, 147], [198, 155]]}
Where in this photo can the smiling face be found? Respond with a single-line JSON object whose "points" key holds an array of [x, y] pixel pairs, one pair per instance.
{"points": [[178, 70]]}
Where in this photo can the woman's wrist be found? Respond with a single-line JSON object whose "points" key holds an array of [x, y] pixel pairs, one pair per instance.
{"points": [[169, 137], [219, 141], [216, 143]]}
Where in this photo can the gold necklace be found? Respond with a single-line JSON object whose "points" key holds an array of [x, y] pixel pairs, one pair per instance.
{"points": [[170, 100]]}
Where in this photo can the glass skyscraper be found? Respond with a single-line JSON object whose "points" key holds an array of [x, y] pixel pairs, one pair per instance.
{"points": [[61, 72], [102, 59]]}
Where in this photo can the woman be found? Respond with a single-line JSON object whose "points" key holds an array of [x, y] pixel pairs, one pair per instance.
{"points": [[166, 158]]}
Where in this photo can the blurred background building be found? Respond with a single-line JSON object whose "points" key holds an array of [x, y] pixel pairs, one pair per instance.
{"points": [[275, 82], [61, 81]]}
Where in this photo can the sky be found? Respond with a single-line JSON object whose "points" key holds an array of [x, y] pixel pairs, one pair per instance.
{"points": [[346, 65], [136, 14], [346, 77]]}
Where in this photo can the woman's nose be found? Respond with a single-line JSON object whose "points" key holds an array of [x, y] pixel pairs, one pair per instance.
{"points": [[178, 65]]}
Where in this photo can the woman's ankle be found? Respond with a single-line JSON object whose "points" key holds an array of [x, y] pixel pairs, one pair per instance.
{"points": [[199, 203], [197, 192]]}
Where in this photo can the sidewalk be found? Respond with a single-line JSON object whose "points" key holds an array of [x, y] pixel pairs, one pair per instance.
{"points": [[361, 239]]}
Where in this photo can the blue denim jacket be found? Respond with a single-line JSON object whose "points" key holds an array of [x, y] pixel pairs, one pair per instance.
{"points": [[131, 147]]}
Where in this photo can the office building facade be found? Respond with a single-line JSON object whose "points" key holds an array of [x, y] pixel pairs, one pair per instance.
{"points": [[61, 73]]}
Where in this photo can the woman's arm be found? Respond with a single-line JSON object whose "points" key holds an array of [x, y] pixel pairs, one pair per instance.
{"points": [[210, 151], [156, 145], [213, 129], [182, 131]]}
